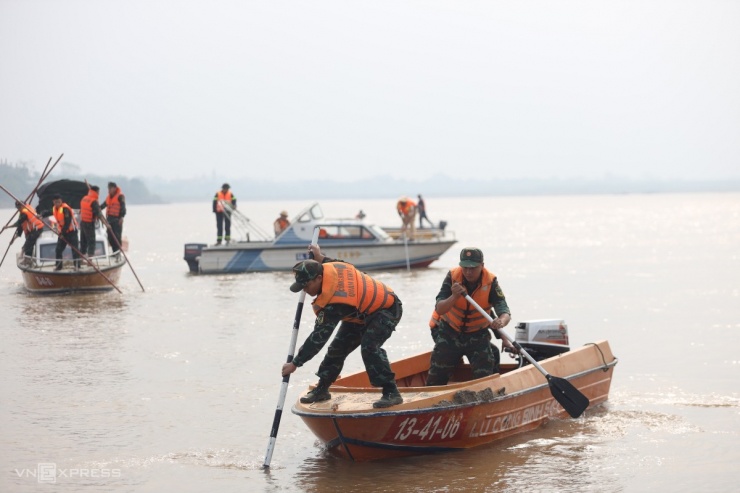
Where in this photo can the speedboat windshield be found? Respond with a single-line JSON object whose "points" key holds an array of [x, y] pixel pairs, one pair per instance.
{"points": [[312, 214]]}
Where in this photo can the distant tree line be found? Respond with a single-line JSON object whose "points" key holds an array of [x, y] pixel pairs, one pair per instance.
{"points": [[20, 179]]}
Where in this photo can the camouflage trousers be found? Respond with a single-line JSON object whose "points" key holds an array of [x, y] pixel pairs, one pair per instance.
{"points": [[450, 346], [370, 336]]}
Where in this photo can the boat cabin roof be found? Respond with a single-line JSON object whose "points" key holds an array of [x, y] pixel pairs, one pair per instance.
{"points": [[339, 229]]}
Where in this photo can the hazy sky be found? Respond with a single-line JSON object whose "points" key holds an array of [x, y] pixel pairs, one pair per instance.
{"points": [[350, 89]]}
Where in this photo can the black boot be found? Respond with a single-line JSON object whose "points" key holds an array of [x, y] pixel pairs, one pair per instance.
{"points": [[320, 393], [391, 397]]}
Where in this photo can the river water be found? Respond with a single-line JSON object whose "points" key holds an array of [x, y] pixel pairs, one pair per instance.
{"points": [[175, 388]]}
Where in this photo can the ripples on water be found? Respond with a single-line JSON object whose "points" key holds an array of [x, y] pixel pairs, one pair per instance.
{"points": [[176, 388]]}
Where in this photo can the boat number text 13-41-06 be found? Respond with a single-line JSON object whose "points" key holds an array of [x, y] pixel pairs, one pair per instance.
{"points": [[436, 428]]}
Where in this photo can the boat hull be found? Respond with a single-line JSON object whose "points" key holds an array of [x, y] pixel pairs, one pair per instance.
{"points": [[265, 257], [45, 280], [457, 416]]}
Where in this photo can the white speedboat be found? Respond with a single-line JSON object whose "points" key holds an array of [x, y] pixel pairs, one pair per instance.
{"points": [[366, 246]]}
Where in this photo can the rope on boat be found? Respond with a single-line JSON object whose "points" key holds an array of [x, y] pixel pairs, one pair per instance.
{"points": [[244, 225], [606, 366]]}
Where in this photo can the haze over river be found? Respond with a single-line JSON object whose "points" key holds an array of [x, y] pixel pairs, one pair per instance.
{"points": [[175, 388]]}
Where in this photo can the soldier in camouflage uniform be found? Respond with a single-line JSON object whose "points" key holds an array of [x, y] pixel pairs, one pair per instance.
{"points": [[368, 311], [461, 330]]}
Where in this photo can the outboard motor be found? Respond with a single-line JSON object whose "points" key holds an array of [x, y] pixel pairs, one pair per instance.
{"points": [[543, 338], [192, 255]]}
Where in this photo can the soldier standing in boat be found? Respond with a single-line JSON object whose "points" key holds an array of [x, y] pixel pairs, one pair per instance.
{"points": [[67, 229], [115, 203], [89, 215], [223, 221], [421, 206], [30, 224], [368, 311], [460, 329]]}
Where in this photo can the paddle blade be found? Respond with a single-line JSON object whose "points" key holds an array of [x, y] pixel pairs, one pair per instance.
{"points": [[572, 400]]}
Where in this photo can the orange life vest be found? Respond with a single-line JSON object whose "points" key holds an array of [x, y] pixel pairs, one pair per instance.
{"points": [[221, 196], [405, 207], [59, 216], [280, 224], [434, 320], [343, 283], [86, 206], [32, 222], [464, 317], [113, 204]]}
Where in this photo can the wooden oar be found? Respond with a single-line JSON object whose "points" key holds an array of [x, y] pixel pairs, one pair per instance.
{"points": [[120, 248], [572, 400], [286, 378], [82, 255]]}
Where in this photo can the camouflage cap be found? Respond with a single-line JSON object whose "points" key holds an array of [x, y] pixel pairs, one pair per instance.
{"points": [[471, 257], [305, 271]]}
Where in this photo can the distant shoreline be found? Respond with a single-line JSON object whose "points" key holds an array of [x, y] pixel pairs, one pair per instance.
{"points": [[140, 190]]}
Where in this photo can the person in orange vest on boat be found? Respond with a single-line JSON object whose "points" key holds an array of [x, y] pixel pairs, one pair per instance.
{"points": [[461, 329], [223, 221], [89, 215], [67, 230], [367, 312], [281, 223], [115, 210], [406, 209], [29, 223]]}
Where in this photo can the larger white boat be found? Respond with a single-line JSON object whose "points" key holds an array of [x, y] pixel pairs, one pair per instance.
{"points": [[366, 246]]}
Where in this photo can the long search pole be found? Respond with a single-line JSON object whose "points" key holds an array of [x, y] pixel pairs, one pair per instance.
{"points": [[8, 249], [286, 378], [120, 248], [43, 176]]}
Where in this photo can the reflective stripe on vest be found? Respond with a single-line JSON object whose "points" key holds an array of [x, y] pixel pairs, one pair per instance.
{"points": [[463, 317], [343, 283]]}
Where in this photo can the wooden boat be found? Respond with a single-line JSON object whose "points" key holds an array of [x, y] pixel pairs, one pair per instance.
{"points": [[465, 413], [365, 245], [39, 274], [420, 233], [40, 277]]}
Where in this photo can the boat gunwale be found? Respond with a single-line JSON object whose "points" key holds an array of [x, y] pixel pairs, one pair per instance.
{"points": [[373, 413], [257, 245]]}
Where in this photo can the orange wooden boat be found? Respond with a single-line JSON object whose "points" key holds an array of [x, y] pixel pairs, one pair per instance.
{"points": [[465, 413]]}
